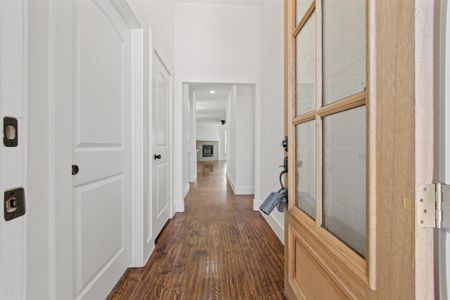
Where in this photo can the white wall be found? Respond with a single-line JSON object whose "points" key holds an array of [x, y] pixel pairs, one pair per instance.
{"points": [[157, 19], [241, 127], [217, 43], [186, 138], [272, 94], [193, 138], [212, 131]]}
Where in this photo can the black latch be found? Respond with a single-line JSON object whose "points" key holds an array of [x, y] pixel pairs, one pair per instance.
{"points": [[14, 203]]}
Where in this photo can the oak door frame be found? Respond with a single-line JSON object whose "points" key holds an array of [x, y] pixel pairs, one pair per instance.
{"points": [[402, 153]]}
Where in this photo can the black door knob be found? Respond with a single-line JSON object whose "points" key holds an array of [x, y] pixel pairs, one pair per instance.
{"points": [[157, 156], [75, 169]]}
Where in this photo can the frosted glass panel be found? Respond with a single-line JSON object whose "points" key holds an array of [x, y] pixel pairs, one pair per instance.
{"points": [[344, 48], [302, 8], [344, 177], [306, 67], [306, 168]]}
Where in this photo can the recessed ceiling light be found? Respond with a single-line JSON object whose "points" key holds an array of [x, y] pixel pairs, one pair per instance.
{"points": [[212, 91]]}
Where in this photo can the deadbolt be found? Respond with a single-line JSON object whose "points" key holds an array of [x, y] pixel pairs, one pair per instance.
{"points": [[75, 169], [11, 205], [14, 203]]}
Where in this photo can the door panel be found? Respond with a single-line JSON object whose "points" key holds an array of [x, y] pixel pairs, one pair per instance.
{"points": [[100, 204], [162, 189], [100, 148], [326, 288], [160, 145]]}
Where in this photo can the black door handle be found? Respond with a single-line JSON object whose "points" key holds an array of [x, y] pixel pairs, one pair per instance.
{"points": [[75, 169], [155, 157]]}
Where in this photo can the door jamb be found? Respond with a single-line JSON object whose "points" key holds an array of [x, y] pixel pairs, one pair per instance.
{"points": [[15, 172]]}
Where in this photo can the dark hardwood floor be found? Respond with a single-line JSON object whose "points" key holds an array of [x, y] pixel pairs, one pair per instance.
{"points": [[219, 248]]}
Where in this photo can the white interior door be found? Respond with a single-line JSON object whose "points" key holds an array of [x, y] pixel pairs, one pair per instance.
{"points": [[160, 144], [101, 148], [12, 160]]}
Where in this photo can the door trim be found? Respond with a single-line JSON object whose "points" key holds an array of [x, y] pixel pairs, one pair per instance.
{"points": [[13, 233], [137, 148]]}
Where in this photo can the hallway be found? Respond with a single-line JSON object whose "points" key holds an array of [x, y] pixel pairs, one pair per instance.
{"points": [[219, 248]]}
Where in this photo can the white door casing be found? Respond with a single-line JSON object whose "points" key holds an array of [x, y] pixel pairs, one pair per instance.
{"points": [[13, 95], [442, 241], [161, 140], [92, 229]]}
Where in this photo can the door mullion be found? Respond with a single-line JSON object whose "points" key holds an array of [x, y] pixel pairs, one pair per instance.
{"points": [[319, 206]]}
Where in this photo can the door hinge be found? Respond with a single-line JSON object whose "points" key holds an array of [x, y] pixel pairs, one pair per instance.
{"points": [[433, 207]]}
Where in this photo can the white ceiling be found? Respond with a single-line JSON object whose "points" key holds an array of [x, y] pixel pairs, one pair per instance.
{"points": [[233, 2], [211, 107]]}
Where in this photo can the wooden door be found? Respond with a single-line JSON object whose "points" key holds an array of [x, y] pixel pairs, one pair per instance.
{"points": [[97, 223], [160, 144], [351, 230]]}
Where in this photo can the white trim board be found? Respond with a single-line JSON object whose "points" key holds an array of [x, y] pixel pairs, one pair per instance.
{"points": [[186, 189], [193, 178], [240, 190], [137, 148], [276, 226]]}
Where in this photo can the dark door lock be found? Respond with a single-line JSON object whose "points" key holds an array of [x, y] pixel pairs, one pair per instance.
{"points": [[14, 204], [278, 199], [284, 144], [157, 156], [10, 132]]}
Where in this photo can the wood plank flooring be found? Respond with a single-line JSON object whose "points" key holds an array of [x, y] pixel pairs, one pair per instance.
{"points": [[219, 248]]}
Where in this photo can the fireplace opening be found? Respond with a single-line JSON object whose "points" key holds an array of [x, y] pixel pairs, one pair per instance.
{"points": [[208, 150]]}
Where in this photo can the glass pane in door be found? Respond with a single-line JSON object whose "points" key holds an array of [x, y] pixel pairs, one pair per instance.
{"points": [[344, 48], [344, 177], [306, 167], [306, 67]]}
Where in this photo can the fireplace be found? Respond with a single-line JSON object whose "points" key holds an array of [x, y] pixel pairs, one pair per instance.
{"points": [[207, 150]]}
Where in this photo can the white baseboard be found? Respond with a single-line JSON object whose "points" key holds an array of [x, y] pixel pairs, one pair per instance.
{"points": [[179, 206], [276, 226], [186, 190], [147, 255], [240, 190], [231, 183], [256, 204], [193, 178], [244, 190]]}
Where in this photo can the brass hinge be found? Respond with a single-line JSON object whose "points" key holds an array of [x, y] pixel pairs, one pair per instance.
{"points": [[433, 206]]}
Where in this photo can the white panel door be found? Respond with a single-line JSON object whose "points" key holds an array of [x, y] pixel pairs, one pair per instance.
{"points": [[12, 160], [161, 143], [101, 149]]}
